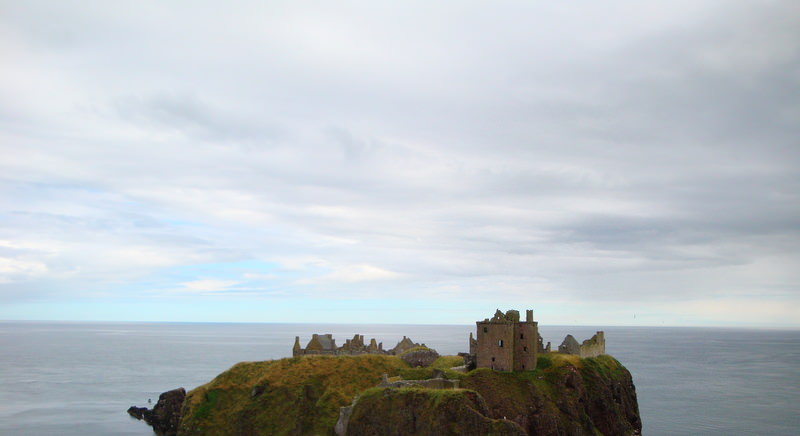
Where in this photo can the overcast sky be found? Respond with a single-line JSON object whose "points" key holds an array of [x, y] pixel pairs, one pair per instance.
{"points": [[604, 163]]}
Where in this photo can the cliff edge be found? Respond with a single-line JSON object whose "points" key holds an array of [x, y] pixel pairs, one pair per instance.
{"points": [[309, 395]]}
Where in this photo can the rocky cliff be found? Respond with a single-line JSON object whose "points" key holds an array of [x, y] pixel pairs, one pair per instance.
{"points": [[566, 395]]}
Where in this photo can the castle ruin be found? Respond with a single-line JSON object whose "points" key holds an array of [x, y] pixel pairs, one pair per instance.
{"points": [[326, 345], [589, 348], [504, 343]]}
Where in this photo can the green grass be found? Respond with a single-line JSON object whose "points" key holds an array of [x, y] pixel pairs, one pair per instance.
{"points": [[447, 362], [205, 408], [303, 395], [544, 362]]}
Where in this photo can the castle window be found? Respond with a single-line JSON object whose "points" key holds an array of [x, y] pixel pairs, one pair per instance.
{"points": [[520, 336], [492, 359], [500, 343], [524, 348], [485, 329]]}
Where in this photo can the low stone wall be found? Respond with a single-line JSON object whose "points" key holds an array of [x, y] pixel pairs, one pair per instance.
{"points": [[437, 382]]}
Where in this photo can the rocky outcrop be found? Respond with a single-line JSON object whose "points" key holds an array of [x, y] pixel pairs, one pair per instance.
{"points": [[425, 412], [166, 415], [578, 397], [565, 395], [572, 397]]}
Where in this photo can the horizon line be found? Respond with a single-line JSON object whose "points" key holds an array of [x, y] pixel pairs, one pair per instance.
{"points": [[720, 326]]}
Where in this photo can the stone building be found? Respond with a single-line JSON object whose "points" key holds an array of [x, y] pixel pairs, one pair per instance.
{"points": [[319, 344], [592, 347], [357, 346], [325, 344], [505, 343], [404, 345]]}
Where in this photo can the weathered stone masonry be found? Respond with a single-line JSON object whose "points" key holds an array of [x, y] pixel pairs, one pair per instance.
{"points": [[326, 345], [505, 343], [589, 348]]}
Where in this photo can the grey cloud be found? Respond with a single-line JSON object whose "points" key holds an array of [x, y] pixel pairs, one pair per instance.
{"points": [[186, 113], [600, 150]]}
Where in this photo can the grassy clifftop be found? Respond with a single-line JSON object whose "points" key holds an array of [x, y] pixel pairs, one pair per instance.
{"points": [[296, 396], [566, 395]]}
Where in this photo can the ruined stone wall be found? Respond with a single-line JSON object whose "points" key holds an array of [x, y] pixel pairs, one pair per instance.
{"points": [[595, 346], [434, 383], [325, 344], [525, 346], [495, 348], [570, 346], [404, 345]]}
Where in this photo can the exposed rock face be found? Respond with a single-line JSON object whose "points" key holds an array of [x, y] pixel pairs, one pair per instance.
{"points": [[597, 396], [166, 415], [423, 412]]}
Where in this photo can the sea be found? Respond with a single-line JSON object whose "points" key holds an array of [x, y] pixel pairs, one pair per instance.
{"points": [[76, 378]]}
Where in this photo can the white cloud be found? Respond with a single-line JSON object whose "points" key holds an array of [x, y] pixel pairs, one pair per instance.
{"points": [[209, 285], [12, 270], [359, 273]]}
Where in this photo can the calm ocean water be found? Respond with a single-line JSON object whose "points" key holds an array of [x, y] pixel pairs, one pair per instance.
{"points": [[80, 378]]}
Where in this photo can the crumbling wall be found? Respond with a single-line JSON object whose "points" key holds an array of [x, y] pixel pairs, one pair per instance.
{"points": [[541, 348], [404, 345], [593, 347], [325, 344], [437, 382], [319, 344], [570, 346]]}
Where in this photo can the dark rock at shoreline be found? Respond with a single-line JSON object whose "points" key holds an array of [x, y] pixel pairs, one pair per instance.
{"points": [[137, 412], [166, 415]]}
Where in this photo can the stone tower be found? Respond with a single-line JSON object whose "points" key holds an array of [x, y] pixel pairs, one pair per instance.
{"points": [[504, 343]]}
